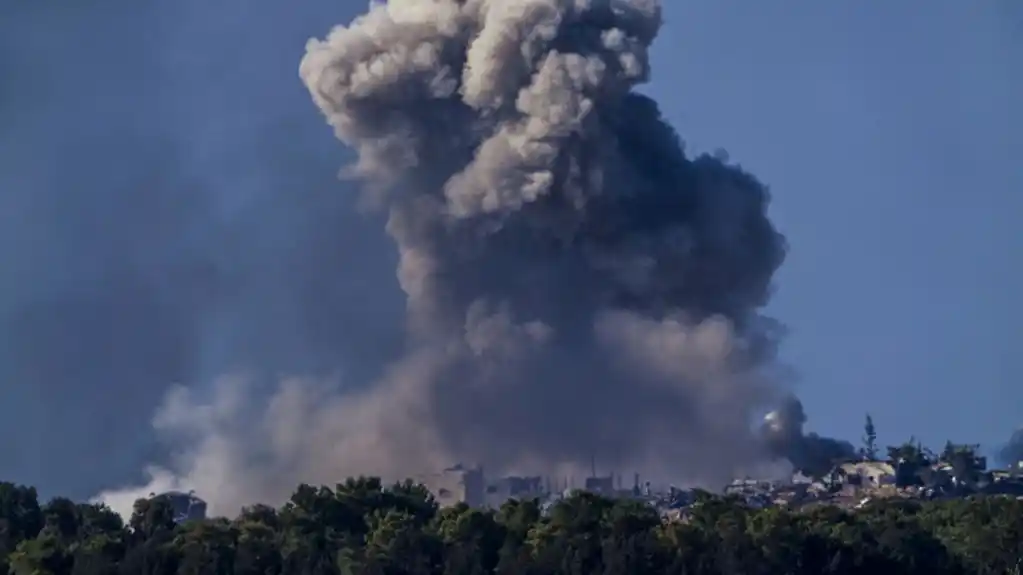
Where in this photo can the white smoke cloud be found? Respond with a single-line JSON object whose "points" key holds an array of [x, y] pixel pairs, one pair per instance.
{"points": [[238, 449]]}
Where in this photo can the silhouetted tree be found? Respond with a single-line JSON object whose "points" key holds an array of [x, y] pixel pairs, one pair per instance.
{"points": [[964, 462], [910, 460], [362, 527], [869, 439]]}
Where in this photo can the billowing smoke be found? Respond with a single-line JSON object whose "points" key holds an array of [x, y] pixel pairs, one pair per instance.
{"points": [[576, 286], [783, 431], [1012, 452]]}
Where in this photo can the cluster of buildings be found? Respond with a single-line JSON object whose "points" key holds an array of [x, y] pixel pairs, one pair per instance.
{"points": [[855, 484], [851, 485], [462, 484], [469, 485]]}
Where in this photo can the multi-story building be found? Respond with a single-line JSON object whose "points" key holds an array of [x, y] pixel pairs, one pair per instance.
{"points": [[501, 490], [458, 484]]}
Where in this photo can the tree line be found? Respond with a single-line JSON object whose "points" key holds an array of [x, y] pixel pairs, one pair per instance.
{"points": [[363, 527]]}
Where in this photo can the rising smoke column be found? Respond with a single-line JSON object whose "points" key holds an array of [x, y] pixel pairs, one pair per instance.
{"points": [[575, 285], [784, 434], [580, 285], [1012, 452]]}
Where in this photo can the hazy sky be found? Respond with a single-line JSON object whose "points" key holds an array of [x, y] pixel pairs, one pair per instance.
{"points": [[885, 129]]}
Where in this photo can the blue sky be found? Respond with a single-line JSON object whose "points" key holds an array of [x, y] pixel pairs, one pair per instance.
{"points": [[890, 135], [886, 130]]}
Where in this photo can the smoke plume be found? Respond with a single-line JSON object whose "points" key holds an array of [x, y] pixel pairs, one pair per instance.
{"points": [[576, 286], [784, 434], [1012, 452]]}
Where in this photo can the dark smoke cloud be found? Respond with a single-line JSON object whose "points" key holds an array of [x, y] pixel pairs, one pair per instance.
{"points": [[783, 432], [1012, 452], [575, 285]]}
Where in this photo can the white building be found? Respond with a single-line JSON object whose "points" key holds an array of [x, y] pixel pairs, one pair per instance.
{"points": [[868, 473], [455, 485]]}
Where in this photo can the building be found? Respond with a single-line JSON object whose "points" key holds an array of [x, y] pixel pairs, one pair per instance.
{"points": [[748, 485], [458, 484], [514, 487], [868, 474], [602, 485]]}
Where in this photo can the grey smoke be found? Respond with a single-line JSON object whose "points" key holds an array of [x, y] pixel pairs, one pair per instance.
{"points": [[576, 286], [783, 432], [579, 285], [1012, 452]]}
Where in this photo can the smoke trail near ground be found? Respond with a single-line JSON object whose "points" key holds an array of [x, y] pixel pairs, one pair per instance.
{"points": [[576, 285], [784, 434], [1012, 452]]}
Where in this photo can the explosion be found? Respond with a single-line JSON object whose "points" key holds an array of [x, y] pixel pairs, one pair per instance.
{"points": [[576, 285]]}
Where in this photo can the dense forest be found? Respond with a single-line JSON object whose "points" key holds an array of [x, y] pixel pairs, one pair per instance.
{"points": [[365, 527]]}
